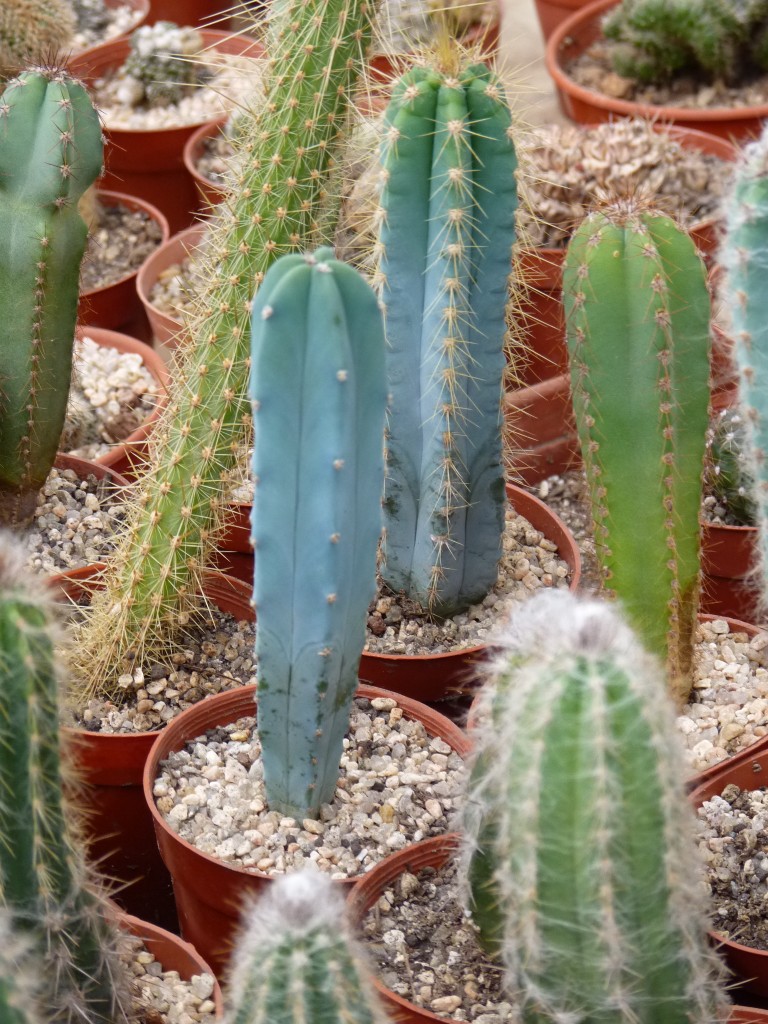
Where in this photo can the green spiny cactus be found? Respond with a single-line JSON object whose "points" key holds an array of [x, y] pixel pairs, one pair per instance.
{"points": [[319, 396], [44, 882], [744, 258], [296, 960], [663, 38], [448, 205], [19, 980], [286, 147], [637, 324], [50, 152], [728, 475], [32, 31], [580, 841]]}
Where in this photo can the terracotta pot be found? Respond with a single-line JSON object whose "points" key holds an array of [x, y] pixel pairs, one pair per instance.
{"points": [[210, 192], [119, 827], [747, 770], [584, 106], [209, 892], [141, 9], [126, 457], [165, 328], [541, 271], [191, 12], [172, 953], [117, 306], [552, 13], [149, 163], [433, 677], [435, 853]]}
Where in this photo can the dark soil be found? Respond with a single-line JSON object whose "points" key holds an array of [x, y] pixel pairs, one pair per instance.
{"points": [[118, 246]]}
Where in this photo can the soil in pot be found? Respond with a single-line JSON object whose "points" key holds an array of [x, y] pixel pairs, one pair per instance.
{"points": [[97, 21], [119, 240]]}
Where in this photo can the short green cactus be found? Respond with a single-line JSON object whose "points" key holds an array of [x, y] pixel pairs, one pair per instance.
{"points": [[160, 64], [32, 31], [728, 476], [297, 962], [44, 883], [659, 39], [50, 152], [19, 978], [637, 322], [580, 841], [319, 395], [447, 226]]}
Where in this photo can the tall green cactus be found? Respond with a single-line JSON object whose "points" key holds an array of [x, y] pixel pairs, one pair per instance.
{"points": [[33, 30], [319, 395], [296, 960], [580, 841], [50, 152], [43, 878], [637, 322], [286, 147], [448, 205], [744, 257]]}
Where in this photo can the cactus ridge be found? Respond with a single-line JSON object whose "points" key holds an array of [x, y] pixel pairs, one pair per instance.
{"points": [[319, 394], [579, 819], [287, 144], [50, 152], [44, 882], [296, 959], [637, 323], [447, 150]]}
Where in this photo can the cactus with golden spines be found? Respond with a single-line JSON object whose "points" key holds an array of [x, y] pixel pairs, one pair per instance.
{"points": [[285, 149]]}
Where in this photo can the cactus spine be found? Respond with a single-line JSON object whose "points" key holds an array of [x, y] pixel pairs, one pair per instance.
{"points": [[50, 152], [447, 206], [296, 960], [32, 31], [744, 257], [579, 831], [43, 879], [316, 48], [637, 324], [318, 391]]}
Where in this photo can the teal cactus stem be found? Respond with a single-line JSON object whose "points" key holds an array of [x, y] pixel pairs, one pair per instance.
{"points": [[448, 205], [744, 257], [592, 888], [319, 394], [296, 961], [50, 152], [637, 322], [43, 879]]}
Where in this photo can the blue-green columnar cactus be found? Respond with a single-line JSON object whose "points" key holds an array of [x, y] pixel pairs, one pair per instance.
{"points": [[744, 256], [319, 394], [296, 962], [637, 322], [580, 841], [448, 204], [44, 883], [50, 152]]}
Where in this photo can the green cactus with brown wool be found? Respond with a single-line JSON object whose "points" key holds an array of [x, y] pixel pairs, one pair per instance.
{"points": [[637, 323], [50, 152], [32, 31], [44, 883], [448, 205], [580, 850], [285, 150]]}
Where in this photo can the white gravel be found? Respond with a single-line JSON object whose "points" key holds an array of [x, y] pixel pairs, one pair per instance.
{"points": [[164, 992]]}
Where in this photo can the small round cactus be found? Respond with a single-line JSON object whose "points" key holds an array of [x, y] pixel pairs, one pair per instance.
{"points": [[728, 477], [32, 31], [160, 70]]}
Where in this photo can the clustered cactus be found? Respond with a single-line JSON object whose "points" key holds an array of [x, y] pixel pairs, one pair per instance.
{"points": [[319, 394], [32, 31], [447, 225], [580, 852], [164, 64], [728, 476], [50, 152], [637, 323], [663, 38]]}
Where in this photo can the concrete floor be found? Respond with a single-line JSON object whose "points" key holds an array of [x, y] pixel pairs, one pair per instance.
{"points": [[521, 60]]}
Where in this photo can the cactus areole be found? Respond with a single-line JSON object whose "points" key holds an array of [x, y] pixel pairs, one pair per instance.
{"points": [[448, 204], [637, 321], [50, 152], [318, 392]]}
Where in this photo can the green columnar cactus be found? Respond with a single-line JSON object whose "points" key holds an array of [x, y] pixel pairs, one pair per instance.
{"points": [[43, 878], [50, 152], [319, 394], [637, 324], [296, 960], [286, 146], [580, 848], [448, 204], [33, 30]]}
